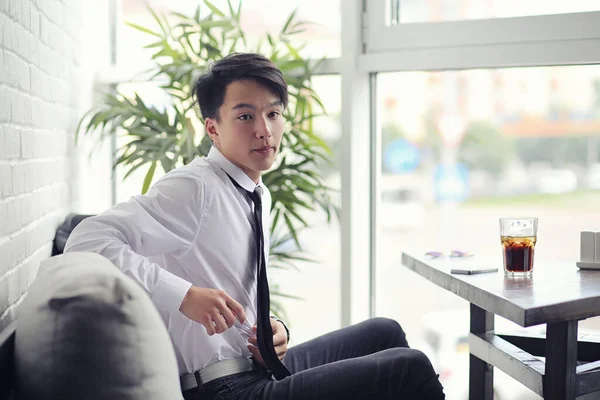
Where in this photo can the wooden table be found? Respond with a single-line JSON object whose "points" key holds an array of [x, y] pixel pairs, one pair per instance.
{"points": [[558, 294]]}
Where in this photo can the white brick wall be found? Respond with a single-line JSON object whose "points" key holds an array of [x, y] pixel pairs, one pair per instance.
{"points": [[49, 50]]}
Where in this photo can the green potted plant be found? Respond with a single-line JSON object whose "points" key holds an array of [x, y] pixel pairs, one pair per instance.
{"points": [[165, 138]]}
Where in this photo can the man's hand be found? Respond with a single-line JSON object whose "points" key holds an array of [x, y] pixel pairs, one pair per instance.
{"points": [[279, 341], [212, 308]]}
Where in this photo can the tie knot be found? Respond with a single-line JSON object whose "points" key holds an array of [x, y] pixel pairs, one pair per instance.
{"points": [[256, 196]]}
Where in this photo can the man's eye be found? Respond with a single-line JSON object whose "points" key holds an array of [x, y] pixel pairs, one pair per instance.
{"points": [[245, 117], [274, 114]]}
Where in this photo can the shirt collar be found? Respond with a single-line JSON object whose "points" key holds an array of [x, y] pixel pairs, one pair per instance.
{"points": [[233, 170]]}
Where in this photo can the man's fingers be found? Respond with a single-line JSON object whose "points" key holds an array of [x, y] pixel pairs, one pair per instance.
{"points": [[256, 354], [237, 309], [213, 308], [279, 340], [280, 350], [219, 322], [210, 327], [228, 316]]}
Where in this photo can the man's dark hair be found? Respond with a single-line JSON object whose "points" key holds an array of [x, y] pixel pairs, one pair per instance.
{"points": [[210, 87]]}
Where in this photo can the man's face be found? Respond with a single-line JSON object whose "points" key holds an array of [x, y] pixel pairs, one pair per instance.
{"points": [[250, 127]]}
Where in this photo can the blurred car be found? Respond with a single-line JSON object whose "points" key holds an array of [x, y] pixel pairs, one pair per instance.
{"points": [[445, 341], [401, 202], [556, 181], [592, 177]]}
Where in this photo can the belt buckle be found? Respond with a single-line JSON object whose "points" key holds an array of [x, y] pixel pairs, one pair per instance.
{"points": [[198, 379], [187, 380]]}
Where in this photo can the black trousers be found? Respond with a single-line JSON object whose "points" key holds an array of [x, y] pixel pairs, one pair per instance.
{"points": [[370, 360]]}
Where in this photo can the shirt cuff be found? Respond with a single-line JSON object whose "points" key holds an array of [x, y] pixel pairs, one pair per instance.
{"points": [[170, 291]]}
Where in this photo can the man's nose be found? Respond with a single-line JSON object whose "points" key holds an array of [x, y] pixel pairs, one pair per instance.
{"points": [[263, 129]]}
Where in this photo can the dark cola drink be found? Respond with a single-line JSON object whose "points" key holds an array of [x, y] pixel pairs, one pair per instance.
{"points": [[518, 254]]}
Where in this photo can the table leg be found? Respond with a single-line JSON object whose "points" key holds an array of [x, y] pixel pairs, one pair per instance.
{"points": [[481, 374], [560, 379]]}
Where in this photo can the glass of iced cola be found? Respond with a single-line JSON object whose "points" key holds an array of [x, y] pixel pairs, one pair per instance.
{"points": [[518, 237]]}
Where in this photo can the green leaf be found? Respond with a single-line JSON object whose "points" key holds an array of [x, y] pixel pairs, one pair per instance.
{"points": [[276, 216], [292, 229], [197, 14], [287, 296], [293, 51], [142, 29], [214, 24], [232, 12], [141, 161], [290, 18], [148, 178], [180, 15], [153, 45], [214, 9], [157, 19], [291, 256], [288, 65]]}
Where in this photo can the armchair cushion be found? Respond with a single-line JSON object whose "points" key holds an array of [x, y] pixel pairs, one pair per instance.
{"points": [[87, 331]]}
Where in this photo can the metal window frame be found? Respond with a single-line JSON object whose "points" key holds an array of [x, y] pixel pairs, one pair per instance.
{"points": [[559, 39]]}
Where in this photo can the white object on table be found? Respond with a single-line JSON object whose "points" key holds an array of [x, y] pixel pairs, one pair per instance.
{"points": [[597, 252], [589, 248]]}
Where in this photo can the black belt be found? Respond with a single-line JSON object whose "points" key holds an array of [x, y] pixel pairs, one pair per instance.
{"points": [[214, 371]]}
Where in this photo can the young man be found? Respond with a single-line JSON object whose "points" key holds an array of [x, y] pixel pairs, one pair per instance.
{"points": [[196, 243]]}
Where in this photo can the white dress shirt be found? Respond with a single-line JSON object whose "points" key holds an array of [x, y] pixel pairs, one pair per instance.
{"points": [[193, 227]]}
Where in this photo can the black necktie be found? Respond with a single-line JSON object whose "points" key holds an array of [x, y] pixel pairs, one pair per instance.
{"points": [[264, 332]]}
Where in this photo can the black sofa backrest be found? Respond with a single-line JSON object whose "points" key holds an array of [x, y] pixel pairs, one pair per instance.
{"points": [[64, 230], [7, 362]]}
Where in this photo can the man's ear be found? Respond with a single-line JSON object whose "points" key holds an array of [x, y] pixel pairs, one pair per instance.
{"points": [[210, 125]]}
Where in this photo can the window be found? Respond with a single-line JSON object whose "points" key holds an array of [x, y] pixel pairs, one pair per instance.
{"points": [[416, 11], [458, 34], [318, 283], [508, 141], [258, 16], [461, 149]]}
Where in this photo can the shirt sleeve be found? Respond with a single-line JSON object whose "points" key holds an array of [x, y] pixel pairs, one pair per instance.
{"points": [[164, 221]]}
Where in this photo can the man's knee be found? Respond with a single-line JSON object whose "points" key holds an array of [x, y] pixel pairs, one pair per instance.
{"points": [[389, 329], [413, 371], [422, 373], [415, 364], [419, 360]]}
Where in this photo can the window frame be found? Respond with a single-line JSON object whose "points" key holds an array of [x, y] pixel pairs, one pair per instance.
{"points": [[557, 39]]}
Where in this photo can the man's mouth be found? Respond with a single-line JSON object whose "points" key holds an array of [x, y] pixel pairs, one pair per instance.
{"points": [[264, 149]]}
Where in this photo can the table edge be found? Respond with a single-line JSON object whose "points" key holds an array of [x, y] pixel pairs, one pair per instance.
{"points": [[452, 284]]}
